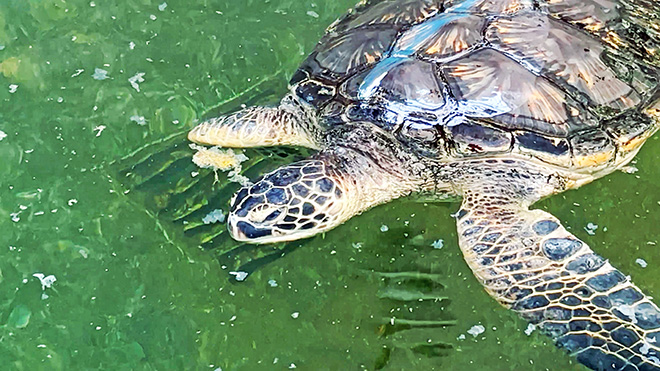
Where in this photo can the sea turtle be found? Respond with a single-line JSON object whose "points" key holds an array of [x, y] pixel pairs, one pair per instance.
{"points": [[500, 102]]}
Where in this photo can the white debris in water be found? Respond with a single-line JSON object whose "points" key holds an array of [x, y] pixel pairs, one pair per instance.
{"points": [[100, 74], [461, 337], [140, 120], [152, 17], [162, 6], [642, 263], [100, 129], [217, 158], [234, 176], [438, 244], [131, 45], [292, 366], [530, 328], [72, 202], [3, 135], [295, 315], [215, 216], [136, 80], [46, 281], [591, 228], [476, 330], [629, 169], [13, 88], [239, 276], [312, 13], [384, 228], [78, 72], [272, 283]]}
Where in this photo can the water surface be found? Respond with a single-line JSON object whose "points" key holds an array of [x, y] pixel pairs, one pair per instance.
{"points": [[133, 291]]}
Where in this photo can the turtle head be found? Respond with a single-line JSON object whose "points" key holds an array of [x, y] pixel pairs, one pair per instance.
{"points": [[293, 202]]}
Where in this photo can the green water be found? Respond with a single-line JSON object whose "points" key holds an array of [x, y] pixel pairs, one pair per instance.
{"points": [[135, 292]]}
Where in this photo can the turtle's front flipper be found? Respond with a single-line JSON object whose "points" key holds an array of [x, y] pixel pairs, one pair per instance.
{"points": [[366, 167], [287, 124], [530, 263]]}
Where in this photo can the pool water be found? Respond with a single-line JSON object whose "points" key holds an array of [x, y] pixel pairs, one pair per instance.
{"points": [[97, 190]]}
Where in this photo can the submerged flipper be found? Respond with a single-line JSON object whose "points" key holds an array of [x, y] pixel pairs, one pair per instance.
{"points": [[530, 263]]}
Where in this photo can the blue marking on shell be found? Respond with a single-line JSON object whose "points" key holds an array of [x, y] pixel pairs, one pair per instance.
{"points": [[405, 48], [545, 227], [560, 248], [604, 282]]}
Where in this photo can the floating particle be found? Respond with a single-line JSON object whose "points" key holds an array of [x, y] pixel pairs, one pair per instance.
{"points": [[530, 328], [629, 169], [72, 202], [3, 135], [642, 263], [240, 275], [100, 74], [295, 315], [384, 228], [136, 80], [234, 176], [215, 216], [313, 14], [272, 283], [140, 120], [217, 158], [13, 88], [591, 228], [461, 337], [162, 6], [131, 45], [476, 330], [438, 244], [46, 281], [100, 129], [78, 72]]}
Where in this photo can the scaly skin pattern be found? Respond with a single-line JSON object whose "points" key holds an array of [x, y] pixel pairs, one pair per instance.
{"points": [[529, 262], [286, 124]]}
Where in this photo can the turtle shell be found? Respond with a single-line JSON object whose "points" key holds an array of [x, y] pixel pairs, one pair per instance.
{"points": [[570, 82]]}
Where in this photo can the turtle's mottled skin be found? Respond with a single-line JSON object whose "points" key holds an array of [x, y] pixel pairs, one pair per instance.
{"points": [[501, 102]]}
